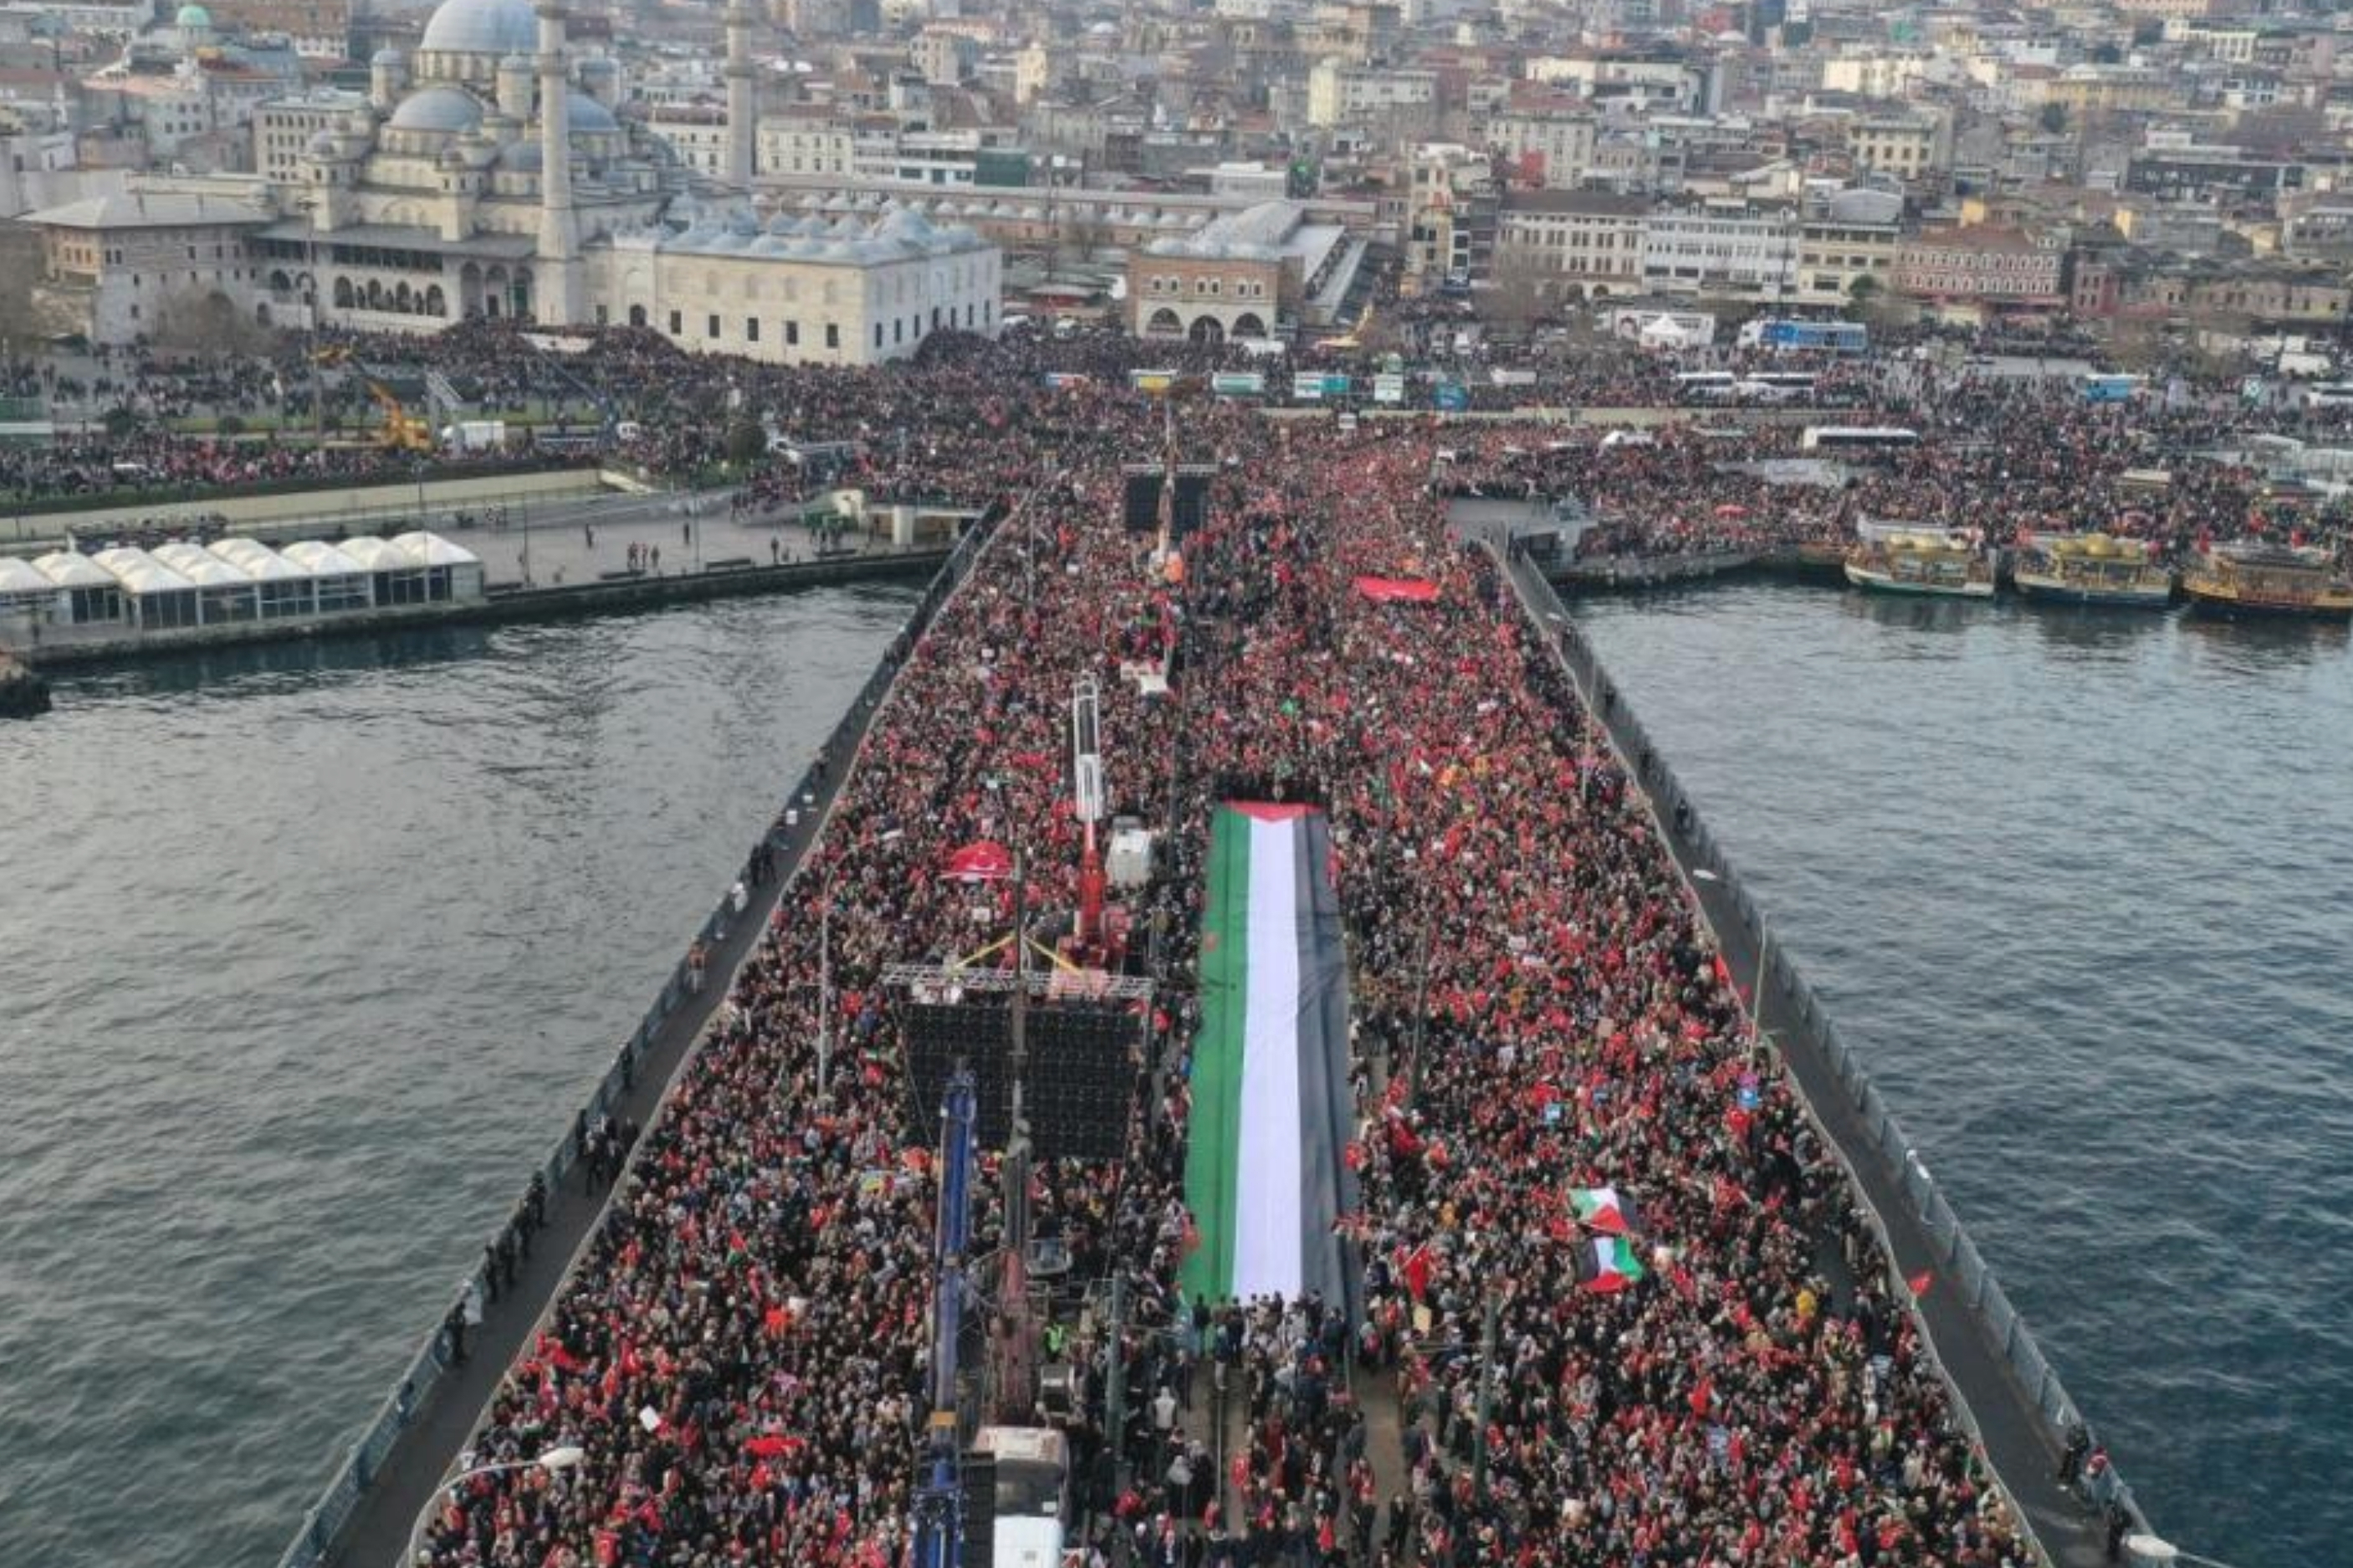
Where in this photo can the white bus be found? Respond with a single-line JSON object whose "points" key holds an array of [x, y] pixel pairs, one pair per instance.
{"points": [[1856, 439], [1706, 386], [2329, 394]]}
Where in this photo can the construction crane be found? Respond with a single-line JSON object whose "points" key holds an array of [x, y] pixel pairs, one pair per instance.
{"points": [[403, 431]]}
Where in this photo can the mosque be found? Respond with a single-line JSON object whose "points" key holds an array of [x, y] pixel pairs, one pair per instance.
{"points": [[489, 176]]}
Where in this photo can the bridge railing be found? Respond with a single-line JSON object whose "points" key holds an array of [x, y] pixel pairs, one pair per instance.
{"points": [[326, 1519], [1960, 1266]]}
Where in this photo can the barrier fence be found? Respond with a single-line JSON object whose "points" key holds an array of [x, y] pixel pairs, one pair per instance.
{"points": [[326, 1518], [1960, 1266]]}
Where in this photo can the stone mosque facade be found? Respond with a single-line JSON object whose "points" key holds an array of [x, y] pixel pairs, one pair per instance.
{"points": [[490, 176]]}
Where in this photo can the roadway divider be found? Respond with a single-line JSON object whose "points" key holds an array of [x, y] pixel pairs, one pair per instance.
{"points": [[327, 1518]]}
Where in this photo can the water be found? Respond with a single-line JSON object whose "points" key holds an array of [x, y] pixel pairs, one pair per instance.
{"points": [[311, 953], [2078, 887]]}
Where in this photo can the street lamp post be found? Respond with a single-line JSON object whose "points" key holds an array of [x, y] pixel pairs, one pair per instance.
{"points": [[562, 1457]]}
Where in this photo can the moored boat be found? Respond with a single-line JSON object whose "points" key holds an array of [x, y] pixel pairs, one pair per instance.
{"points": [[1898, 558], [2092, 569], [2257, 577]]}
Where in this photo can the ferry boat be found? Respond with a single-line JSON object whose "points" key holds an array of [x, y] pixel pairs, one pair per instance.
{"points": [[2092, 569], [1899, 558], [2257, 577]]}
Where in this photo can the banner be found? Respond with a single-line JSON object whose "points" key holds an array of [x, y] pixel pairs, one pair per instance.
{"points": [[1388, 388], [1238, 383], [1266, 1179]]}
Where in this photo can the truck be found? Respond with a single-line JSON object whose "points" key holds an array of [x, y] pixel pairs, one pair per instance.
{"points": [[474, 436], [1033, 1494], [1785, 336]]}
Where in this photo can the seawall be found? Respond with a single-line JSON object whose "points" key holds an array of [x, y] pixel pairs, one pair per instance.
{"points": [[2003, 1390]]}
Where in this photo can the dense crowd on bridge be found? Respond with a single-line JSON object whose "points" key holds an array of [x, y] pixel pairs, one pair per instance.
{"points": [[741, 1353]]}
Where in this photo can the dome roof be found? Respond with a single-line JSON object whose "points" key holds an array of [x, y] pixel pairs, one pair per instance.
{"points": [[587, 117], [438, 109], [387, 56], [482, 27], [523, 157], [192, 18]]}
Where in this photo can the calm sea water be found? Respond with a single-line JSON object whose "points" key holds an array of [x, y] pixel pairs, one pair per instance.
{"points": [[2079, 888], [308, 953]]}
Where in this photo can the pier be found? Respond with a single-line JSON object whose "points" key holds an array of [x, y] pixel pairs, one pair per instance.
{"points": [[2005, 1393]]}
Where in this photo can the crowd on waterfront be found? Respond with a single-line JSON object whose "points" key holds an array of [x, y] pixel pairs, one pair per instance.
{"points": [[742, 1353]]}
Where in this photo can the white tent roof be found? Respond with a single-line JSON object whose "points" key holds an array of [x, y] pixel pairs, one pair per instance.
{"points": [[375, 555], [17, 576], [425, 549], [256, 561], [179, 555], [68, 570], [211, 572], [139, 572], [323, 560]]}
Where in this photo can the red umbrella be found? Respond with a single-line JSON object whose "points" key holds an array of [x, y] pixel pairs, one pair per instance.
{"points": [[1731, 508]]}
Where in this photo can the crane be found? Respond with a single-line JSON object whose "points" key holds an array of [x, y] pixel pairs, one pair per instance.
{"points": [[403, 431]]}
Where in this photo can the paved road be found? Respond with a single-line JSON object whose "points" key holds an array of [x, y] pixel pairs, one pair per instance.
{"points": [[2018, 1443]]}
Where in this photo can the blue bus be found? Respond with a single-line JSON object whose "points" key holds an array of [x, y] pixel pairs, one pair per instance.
{"points": [[1784, 336]]}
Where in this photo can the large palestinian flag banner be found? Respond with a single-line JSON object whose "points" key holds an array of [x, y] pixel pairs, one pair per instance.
{"points": [[1265, 1180]]}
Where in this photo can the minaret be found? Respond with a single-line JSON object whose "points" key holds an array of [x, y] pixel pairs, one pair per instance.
{"points": [[556, 298], [743, 118]]}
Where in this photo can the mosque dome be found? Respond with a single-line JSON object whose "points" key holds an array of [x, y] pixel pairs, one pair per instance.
{"points": [[522, 157], [387, 56], [193, 19], [482, 27], [436, 109], [589, 117]]}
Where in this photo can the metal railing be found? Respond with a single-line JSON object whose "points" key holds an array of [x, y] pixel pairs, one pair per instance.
{"points": [[1960, 1266], [326, 1519]]}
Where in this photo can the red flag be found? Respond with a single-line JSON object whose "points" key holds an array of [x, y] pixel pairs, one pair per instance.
{"points": [[1702, 1393], [1921, 1281], [1417, 1272]]}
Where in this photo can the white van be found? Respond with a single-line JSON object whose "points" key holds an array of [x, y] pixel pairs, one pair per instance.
{"points": [[1629, 439], [1033, 1494]]}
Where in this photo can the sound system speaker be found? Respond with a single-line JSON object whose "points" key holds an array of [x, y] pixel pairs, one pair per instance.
{"points": [[978, 1474]]}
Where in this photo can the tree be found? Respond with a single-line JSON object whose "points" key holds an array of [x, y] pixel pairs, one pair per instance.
{"points": [[2053, 118], [206, 324], [745, 442]]}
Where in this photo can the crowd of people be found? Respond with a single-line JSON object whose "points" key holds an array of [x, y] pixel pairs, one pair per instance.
{"points": [[742, 1353]]}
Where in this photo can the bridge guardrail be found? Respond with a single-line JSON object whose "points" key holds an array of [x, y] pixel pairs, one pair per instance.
{"points": [[1961, 1266], [326, 1518]]}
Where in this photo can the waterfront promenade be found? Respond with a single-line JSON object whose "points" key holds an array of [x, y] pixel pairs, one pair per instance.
{"points": [[2020, 1442]]}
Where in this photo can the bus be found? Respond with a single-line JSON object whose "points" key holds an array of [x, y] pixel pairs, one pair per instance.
{"points": [[2329, 394], [1787, 336], [1772, 388], [1706, 386], [1857, 440], [2100, 388]]}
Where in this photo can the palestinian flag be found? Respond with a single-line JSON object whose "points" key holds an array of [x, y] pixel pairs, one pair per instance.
{"points": [[1607, 1263], [1266, 1176], [1604, 1209]]}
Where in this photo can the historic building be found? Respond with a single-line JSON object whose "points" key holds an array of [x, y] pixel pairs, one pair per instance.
{"points": [[490, 176]]}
